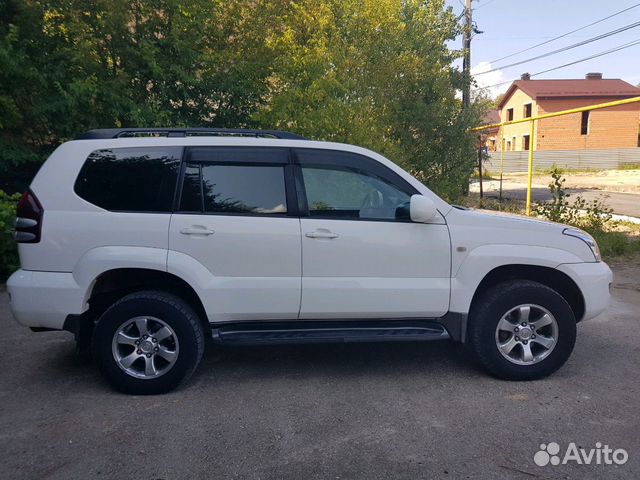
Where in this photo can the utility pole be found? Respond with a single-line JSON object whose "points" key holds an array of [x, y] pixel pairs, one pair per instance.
{"points": [[466, 62], [480, 163]]}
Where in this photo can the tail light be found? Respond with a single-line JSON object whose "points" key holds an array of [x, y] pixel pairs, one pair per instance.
{"points": [[28, 219]]}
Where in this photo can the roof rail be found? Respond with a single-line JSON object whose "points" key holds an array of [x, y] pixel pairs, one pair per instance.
{"points": [[103, 133]]}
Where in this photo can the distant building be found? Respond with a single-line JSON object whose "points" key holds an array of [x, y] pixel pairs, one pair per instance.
{"points": [[615, 127], [490, 138]]}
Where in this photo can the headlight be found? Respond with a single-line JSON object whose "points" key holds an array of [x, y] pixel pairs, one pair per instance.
{"points": [[586, 238]]}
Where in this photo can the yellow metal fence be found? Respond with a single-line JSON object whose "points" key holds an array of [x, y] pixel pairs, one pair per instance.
{"points": [[532, 121]]}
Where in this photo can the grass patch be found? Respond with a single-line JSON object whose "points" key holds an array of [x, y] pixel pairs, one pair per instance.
{"points": [[630, 166], [614, 243], [564, 170], [627, 226], [510, 206], [476, 178]]}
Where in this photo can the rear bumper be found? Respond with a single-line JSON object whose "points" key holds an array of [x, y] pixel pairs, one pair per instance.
{"points": [[594, 281], [44, 299]]}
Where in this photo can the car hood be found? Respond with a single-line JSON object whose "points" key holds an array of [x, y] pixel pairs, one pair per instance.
{"points": [[473, 228]]}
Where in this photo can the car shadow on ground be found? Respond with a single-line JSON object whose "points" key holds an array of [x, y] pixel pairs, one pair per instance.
{"points": [[63, 367], [340, 358]]}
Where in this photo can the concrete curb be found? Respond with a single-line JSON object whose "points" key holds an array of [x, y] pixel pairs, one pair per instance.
{"points": [[625, 218]]}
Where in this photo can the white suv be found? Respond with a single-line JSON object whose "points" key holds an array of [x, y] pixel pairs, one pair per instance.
{"points": [[144, 242]]}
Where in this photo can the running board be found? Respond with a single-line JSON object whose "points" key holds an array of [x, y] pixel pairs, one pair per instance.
{"points": [[274, 333]]}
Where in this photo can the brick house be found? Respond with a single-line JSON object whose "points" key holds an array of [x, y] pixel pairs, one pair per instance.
{"points": [[490, 138], [615, 127]]}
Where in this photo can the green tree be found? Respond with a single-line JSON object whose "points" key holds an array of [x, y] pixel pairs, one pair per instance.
{"points": [[70, 65], [372, 72], [376, 73]]}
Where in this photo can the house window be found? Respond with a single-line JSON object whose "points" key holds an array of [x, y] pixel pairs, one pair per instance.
{"points": [[527, 111], [509, 114], [525, 142], [513, 143], [509, 145], [584, 124]]}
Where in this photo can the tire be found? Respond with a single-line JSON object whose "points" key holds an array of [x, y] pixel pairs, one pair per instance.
{"points": [[170, 343], [499, 331]]}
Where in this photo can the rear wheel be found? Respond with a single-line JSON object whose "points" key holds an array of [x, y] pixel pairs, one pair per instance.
{"points": [[148, 342], [522, 330]]}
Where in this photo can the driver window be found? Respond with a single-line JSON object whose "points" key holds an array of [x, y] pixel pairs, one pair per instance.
{"points": [[351, 194]]}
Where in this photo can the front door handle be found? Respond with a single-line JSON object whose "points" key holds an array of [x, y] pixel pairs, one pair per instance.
{"points": [[321, 233], [196, 230]]}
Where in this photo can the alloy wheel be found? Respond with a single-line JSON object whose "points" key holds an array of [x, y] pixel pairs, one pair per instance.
{"points": [[145, 347], [526, 334]]}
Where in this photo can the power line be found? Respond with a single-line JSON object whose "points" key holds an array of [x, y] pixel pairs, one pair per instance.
{"points": [[568, 47], [606, 52], [565, 34], [484, 4], [621, 47]]}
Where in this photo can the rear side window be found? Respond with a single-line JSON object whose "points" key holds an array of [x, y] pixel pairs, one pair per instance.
{"points": [[235, 181], [140, 179]]}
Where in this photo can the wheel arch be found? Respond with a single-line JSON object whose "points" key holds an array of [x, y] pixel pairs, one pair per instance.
{"points": [[111, 285], [551, 277]]}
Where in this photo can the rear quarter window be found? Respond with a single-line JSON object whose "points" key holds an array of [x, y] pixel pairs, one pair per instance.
{"points": [[140, 179]]}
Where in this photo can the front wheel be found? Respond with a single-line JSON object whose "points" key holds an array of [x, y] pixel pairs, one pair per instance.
{"points": [[522, 330], [148, 342]]}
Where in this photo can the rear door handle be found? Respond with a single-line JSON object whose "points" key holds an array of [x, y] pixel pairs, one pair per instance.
{"points": [[196, 230], [321, 233]]}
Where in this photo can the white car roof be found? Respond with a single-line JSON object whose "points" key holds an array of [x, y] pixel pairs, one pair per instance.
{"points": [[73, 154]]}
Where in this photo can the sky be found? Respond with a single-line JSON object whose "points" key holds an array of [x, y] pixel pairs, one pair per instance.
{"points": [[513, 25]]}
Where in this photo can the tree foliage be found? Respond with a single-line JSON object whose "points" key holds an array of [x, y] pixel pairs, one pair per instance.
{"points": [[8, 251], [377, 73]]}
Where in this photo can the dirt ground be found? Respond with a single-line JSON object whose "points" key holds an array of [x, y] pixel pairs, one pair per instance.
{"points": [[358, 411], [623, 181], [619, 189]]}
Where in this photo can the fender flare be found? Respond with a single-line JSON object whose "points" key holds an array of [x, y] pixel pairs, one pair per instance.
{"points": [[482, 260], [99, 260]]}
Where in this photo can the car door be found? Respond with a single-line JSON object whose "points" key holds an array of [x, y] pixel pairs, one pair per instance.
{"points": [[362, 257], [235, 219]]}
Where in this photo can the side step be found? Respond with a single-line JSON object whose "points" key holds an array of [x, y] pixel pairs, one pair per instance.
{"points": [[345, 331]]}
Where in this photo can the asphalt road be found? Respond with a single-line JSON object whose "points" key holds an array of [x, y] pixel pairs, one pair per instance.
{"points": [[328, 411], [621, 203]]}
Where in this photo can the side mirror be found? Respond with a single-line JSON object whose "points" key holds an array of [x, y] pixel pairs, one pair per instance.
{"points": [[422, 209]]}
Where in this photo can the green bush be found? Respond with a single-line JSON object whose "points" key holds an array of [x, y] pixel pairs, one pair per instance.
{"points": [[8, 249], [593, 215], [613, 243]]}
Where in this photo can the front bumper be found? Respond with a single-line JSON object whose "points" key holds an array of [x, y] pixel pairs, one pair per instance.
{"points": [[44, 299], [594, 281]]}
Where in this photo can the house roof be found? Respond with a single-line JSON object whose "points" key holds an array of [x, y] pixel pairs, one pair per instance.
{"points": [[492, 117], [578, 88]]}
